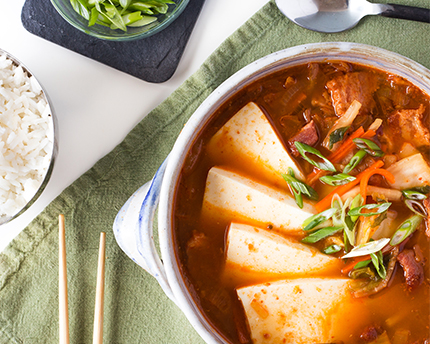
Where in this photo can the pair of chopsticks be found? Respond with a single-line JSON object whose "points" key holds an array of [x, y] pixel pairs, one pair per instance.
{"points": [[63, 301]]}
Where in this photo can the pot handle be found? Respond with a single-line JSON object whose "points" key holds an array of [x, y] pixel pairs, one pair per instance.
{"points": [[144, 232]]}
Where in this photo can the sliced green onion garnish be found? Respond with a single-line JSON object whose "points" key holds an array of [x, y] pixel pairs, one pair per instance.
{"points": [[369, 146], [111, 14], [405, 229], [378, 263], [297, 197], [315, 220], [80, 7], [336, 203], [362, 264], [93, 17], [348, 225], [337, 135], [381, 207], [355, 160], [416, 207], [324, 165], [120, 14], [332, 249], [321, 234], [357, 201], [337, 179], [132, 18], [415, 195], [298, 188], [125, 3], [367, 248]]}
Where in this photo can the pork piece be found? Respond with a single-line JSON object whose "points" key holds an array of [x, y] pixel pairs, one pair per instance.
{"points": [[198, 241], [426, 204], [408, 124], [345, 89], [323, 102], [371, 333], [308, 135], [413, 271]]}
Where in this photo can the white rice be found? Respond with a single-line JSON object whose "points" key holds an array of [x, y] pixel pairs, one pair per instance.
{"points": [[26, 141]]}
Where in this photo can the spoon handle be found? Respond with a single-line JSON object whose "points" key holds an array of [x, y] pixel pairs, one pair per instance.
{"points": [[406, 12]]}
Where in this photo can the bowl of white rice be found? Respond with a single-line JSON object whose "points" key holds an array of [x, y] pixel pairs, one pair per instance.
{"points": [[27, 142]]}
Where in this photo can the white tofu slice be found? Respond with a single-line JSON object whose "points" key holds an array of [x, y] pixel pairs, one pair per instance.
{"points": [[299, 311], [227, 192], [249, 137], [260, 250], [410, 172]]}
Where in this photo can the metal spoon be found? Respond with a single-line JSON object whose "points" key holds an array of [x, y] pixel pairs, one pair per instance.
{"points": [[340, 15]]}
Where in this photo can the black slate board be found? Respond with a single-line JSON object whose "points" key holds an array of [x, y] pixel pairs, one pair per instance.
{"points": [[153, 59]]}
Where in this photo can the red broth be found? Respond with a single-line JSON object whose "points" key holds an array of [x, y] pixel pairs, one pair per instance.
{"points": [[291, 98]]}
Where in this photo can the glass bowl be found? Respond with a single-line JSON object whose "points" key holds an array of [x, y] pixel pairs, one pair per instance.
{"points": [[65, 9], [33, 182]]}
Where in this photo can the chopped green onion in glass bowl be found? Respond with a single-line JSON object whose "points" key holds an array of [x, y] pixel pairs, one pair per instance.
{"points": [[120, 20]]}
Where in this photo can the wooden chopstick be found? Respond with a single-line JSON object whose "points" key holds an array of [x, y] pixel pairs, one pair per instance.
{"points": [[98, 311], [63, 302]]}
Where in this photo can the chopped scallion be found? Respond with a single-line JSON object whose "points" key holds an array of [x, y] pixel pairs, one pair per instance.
{"points": [[337, 179], [348, 223], [315, 220], [336, 203], [357, 201], [332, 249], [298, 188], [405, 229], [369, 146], [381, 207], [120, 14], [355, 160], [414, 195], [321, 234], [416, 207], [378, 263], [362, 264], [303, 149]]}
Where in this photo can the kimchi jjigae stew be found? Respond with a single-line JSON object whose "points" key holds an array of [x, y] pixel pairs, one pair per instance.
{"points": [[302, 210]]}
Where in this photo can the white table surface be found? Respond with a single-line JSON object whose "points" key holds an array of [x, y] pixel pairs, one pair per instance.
{"points": [[90, 124]]}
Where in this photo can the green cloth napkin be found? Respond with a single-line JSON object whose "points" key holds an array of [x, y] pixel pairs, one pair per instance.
{"points": [[136, 309]]}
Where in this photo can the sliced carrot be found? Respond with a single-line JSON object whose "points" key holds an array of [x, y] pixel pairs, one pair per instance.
{"points": [[347, 268], [340, 190], [366, 176], [368, 134]]}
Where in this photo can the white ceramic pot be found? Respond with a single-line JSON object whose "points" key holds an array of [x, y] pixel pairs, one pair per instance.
{"points": [[133, 224]]}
